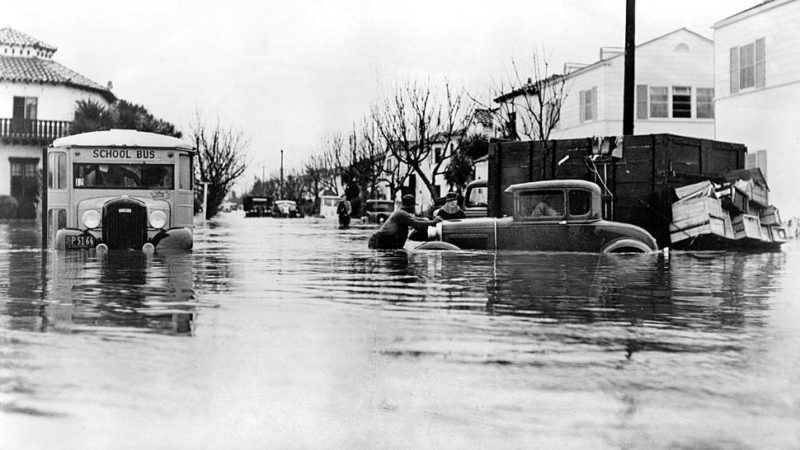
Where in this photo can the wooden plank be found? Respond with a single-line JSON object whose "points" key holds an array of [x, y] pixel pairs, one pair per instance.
{"points": [[746, 226]]}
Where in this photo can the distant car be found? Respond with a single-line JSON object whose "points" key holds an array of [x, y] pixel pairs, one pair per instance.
{"points": [[377, 211], [554, 215], [286, 208], [257, 206], [475, 199]]}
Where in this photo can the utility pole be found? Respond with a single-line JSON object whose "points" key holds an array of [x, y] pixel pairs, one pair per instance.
{"points": [[630, 67], [281, 193]]}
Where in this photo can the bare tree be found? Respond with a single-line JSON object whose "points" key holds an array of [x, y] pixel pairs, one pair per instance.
{"points": [[220, 159], [529, 99], [415, 119]]}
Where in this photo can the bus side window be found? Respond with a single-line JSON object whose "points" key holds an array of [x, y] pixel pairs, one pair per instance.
{"points": [[57, 171], [185, 172], [61, 173]]}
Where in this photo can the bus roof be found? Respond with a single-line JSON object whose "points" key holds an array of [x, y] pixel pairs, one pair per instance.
{"points": [[122, 138]]}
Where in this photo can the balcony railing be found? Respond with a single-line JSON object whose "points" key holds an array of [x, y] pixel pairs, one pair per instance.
{"points": [[33, 132]]}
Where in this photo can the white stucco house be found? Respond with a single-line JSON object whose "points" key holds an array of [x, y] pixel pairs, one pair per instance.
{"points": [[757, 65], [37, 105], [674, 91]]}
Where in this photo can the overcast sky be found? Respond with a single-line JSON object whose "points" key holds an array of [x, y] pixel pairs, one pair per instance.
{"points": [[287, 73]]}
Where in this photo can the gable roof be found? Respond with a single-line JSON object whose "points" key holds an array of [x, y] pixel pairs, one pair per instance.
{"points": [[37, 70], [531, 89], [763, 6]]}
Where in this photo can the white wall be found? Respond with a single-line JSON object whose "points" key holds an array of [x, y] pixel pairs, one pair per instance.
{"points": [[658, 63], [777, 23], [768, 121], [55, 102], [765, 118]]}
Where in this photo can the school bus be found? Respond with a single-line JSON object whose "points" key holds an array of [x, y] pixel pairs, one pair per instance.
{"points": [[119, 190]]}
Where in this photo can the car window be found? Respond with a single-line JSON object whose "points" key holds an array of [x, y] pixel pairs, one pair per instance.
{"points": [[580, 202], [541, 204], [477, 196]]}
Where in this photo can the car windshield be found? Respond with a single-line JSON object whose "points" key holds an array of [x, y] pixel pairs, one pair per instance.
{"points": [[124, 176]]}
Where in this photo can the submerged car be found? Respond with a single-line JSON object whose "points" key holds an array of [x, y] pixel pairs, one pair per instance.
{"points": [[286, 208], [377, 211], [553, 215]]}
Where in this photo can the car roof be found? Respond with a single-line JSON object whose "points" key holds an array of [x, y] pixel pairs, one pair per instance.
{"points": [[554, 184]]}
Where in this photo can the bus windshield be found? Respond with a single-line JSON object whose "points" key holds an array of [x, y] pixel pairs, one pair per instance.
{"points": [[124, 176]]}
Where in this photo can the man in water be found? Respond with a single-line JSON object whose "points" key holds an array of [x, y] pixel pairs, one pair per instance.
{"points": [[343, 210], [394, 232]]}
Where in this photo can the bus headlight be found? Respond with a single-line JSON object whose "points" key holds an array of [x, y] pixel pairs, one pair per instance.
{"points": [[91, 219], [157, 219]]}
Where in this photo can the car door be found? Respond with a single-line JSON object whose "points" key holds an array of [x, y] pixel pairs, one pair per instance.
{"points": [[539, 222]]}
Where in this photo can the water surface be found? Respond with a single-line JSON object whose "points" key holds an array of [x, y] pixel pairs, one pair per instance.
{"points": [[291, 333]]}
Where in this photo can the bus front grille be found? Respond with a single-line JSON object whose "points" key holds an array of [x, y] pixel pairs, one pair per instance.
{"points": [[124, 224]]}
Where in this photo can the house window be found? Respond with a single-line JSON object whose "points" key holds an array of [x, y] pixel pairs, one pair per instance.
{"points": [[705, 103], [24, 113], [659, 101], [681, 101], [748, 66], [588, 104]]}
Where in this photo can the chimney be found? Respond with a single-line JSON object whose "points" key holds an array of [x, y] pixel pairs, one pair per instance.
{"points": [[110, 85]]}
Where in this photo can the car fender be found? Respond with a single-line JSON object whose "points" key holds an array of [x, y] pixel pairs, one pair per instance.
{"points": [[627, 245], [436, 245]]}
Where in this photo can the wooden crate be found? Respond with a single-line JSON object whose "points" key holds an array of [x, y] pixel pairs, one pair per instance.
{"points": [[746, 226], [778, 233], [679, 231], [769, 216], [698, 209]]}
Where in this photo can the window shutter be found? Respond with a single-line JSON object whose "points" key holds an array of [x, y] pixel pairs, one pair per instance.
{"points": [[761, 66], [734, 78], [582, 106], [594, 103], [641, 101]]}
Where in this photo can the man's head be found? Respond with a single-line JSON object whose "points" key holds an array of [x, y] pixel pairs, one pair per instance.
{"points": [[408, 203]]}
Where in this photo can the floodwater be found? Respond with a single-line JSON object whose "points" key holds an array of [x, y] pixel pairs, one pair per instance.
{"points": [[284, 333]]}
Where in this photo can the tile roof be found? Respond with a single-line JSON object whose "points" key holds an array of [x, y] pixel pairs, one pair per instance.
{"points": [[484, 116], [10, 36], [38, 70]]}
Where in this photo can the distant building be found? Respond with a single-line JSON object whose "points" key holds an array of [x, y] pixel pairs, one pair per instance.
{"points": [[37, 105], [674, 91], [758, 92]]}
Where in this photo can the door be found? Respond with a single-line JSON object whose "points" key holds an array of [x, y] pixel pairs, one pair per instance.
{"points": [[25, 186]]}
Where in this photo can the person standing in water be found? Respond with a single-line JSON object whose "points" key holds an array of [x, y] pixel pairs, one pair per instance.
{"points": [[343, 211], [394, 232]]}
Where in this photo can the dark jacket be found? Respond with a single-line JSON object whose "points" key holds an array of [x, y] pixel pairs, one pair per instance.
{"points": [[394, 232]]}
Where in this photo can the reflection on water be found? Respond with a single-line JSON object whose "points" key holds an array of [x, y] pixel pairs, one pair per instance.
{"points": [[293, 333], [77, 291]]}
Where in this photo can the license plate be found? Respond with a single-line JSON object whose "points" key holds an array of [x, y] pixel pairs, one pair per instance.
{"points": [[82, 241]]}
